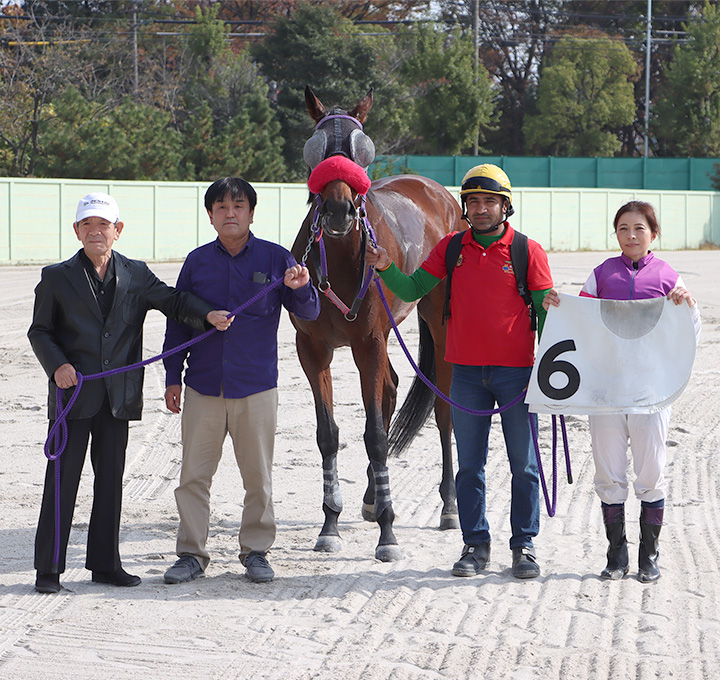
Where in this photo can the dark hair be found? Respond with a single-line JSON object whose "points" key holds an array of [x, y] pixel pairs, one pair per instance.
{"points": [[645, 209], [236, 187]]}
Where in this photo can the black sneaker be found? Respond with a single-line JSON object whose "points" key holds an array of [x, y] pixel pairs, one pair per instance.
{"points": [[524, 563], [473, 560]]}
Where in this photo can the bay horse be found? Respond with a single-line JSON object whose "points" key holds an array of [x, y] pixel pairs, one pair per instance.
{"points": [[408, 214]]}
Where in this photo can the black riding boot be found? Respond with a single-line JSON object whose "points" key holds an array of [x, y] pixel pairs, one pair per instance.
{"points": [[650, 525], [617, 554]]}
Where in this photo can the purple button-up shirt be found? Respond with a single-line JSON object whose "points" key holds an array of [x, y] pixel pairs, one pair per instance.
{"points": [[242, 360]]}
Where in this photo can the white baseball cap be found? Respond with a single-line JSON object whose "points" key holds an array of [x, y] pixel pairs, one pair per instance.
{"points": [[98, 205]]}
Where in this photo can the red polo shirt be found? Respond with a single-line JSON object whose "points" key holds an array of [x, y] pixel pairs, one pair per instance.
{"points": [[489, 323]]}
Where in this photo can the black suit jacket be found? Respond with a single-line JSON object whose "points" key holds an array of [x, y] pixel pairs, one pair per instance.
{"points": [[68, 327]]}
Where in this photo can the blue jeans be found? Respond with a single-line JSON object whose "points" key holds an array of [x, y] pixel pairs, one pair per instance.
{"points": [[480, 388]]}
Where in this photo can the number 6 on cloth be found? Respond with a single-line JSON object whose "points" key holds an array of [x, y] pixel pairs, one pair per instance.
{"points": [[611, 356]]}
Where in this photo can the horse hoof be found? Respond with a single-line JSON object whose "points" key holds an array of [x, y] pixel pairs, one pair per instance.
{"points": [[328, 544], [368, 512], [449, 521], [388, 553]]}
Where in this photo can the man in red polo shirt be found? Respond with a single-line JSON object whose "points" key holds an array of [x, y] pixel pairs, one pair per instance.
{"points": [[491, 344]]}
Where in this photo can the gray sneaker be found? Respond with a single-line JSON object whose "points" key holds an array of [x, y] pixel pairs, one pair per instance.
{"points": [[185, 569], [258, 569]]}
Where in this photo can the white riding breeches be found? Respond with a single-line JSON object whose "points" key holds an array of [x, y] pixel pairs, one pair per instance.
{"points": [[646, 434]]}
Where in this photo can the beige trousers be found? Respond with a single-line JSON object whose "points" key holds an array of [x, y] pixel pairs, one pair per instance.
{"points": [[205, 423]]}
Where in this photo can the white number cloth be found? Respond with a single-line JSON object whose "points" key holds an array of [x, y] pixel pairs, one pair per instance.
{"points": [[612, 356]]}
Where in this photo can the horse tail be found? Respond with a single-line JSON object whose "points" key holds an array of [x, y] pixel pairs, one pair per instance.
{"points": [[420, 399]]}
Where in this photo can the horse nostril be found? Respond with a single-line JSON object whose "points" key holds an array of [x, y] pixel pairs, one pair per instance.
{"points": [[339, 209]]}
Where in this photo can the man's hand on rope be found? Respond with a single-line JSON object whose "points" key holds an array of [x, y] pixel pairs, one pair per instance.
{"points": [[65, 376], [377, 256], [219, 319], [296, 276]]}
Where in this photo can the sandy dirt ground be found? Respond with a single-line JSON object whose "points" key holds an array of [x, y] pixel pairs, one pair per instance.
{"points": [[347, 615]]}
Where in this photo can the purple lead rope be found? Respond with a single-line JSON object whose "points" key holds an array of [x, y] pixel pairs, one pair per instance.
{"points": [[58, 432], [550, 506], [429, 382]]}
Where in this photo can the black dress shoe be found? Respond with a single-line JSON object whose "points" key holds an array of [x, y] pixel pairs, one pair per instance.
{"points": [[47, 583], [524, 563], [116, 578]]}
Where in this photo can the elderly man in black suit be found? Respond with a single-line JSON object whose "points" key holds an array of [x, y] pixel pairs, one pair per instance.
{"points": [[88, 317]]}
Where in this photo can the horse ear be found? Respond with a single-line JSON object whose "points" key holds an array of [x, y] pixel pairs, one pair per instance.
{"points": [[363, 108], [315, 107]]}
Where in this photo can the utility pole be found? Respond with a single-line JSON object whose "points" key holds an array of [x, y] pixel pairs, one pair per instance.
{"points": [[648, 50], [135, 48], [476, 27]]}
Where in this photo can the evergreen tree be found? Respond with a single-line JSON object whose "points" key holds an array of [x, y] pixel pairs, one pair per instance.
{"points": [[226, 116], [585, 96], [450, 105], [315, 46], [91, 140], [687, 113]]}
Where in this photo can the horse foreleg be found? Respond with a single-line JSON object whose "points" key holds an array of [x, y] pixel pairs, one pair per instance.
{"points": [[368, 504], [379, 396], [388, 408], [315, 360], [327, 438]]}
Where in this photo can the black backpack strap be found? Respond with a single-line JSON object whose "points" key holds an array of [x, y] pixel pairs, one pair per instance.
{"points": [[519, 259], [451, 257]]}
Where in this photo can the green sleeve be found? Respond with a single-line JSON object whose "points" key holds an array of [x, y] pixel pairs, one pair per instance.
{"points": [[408, 288], [537, 297]]}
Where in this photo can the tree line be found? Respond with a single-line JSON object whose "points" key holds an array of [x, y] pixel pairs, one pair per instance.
{"points": [[194, 89]]}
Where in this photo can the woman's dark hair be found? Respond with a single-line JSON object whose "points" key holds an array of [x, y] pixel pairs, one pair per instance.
{"points": [[645, 209], [236, 187]]}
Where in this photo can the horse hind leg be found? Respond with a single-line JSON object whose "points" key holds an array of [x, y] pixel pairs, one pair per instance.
{"points": [[449, 518], [432, 358]]}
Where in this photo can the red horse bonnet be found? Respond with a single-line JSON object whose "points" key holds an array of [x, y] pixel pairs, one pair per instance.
{"points": [[338, 167]]}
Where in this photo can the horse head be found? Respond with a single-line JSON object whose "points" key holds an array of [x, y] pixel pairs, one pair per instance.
{"points": [[339, 133]]}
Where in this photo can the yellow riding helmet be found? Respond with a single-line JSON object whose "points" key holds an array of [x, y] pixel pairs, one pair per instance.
{"points": [[487, 179]]}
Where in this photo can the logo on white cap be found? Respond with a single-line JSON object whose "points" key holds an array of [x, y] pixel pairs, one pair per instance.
{"points": [[98, 205]]}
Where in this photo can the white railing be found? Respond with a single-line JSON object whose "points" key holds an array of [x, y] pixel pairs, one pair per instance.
{"points": [[165, 220]]}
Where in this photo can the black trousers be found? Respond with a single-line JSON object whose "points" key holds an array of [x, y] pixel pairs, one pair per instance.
{"points": [[109, 438]]}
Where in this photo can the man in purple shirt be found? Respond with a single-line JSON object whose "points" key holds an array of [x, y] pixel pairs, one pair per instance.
{"points": [[231, 380]]}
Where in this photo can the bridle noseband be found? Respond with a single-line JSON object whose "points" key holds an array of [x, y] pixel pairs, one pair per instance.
{"points": [[320, 263]]}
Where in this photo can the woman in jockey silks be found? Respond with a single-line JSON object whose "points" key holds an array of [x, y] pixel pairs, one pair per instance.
{"points": [[634, 275]]}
